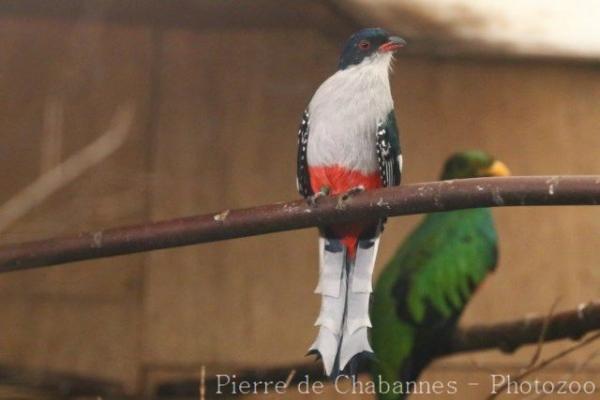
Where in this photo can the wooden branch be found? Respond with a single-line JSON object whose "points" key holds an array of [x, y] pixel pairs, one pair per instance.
{"points": [[228, 224], [506, 336]]}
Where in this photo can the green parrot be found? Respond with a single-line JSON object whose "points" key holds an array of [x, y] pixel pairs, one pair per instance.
{"points": [[424, 288]]}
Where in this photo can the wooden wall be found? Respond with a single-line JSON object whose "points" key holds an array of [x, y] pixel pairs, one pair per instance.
{"points": [[215, 127]]}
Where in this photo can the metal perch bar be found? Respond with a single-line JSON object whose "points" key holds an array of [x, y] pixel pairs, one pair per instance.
{"points": [[229, 224]]}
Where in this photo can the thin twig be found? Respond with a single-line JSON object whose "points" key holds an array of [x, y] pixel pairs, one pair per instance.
{"points": [[569, 376], [290, 378], [202, 390], [66, 172], [540, 344], [545, 363]]}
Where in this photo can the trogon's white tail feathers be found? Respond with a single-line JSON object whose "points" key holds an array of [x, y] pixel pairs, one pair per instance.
{"points": [[332, 258], [332, 287], [355, 334], [344, 318], [364, 264], [352, 345], [330, 323]]}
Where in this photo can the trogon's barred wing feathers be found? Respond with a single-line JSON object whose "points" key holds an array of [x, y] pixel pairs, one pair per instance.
{"points": [[389, 156], [302, 176]]}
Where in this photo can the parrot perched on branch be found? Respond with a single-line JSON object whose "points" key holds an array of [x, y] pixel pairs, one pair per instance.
{"points": [[348, 142], [423, 290]]}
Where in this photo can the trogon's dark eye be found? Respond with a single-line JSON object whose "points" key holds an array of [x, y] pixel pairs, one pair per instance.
{"points": [[364, 45]]}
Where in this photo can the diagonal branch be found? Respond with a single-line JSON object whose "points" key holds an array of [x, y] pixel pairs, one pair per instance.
{"points": [[406, 199], [67, 171]]}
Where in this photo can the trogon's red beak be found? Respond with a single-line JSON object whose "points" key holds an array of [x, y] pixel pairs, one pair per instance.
{"points": [[394, 43]]}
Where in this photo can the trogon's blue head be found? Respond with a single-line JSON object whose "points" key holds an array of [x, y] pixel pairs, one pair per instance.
{"points": [[366, 43]]}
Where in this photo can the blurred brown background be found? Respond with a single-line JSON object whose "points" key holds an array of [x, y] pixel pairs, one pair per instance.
{"points": [[218, 89]]}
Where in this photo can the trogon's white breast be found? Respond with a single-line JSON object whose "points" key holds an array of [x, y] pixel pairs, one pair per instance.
{"points": [[343, 118]]}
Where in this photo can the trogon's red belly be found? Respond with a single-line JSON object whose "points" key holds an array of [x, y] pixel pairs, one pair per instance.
{"points": [[338, 180]]}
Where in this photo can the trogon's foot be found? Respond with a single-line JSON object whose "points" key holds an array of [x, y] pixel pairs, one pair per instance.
{"points": [[312, 200], [341, 204]]}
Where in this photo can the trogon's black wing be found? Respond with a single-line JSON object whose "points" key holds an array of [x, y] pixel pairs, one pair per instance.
{"points": [[389, 155], [302, 176]]}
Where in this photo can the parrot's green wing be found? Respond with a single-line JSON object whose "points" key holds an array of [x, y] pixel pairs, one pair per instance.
{"points": [[424, 288]]}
